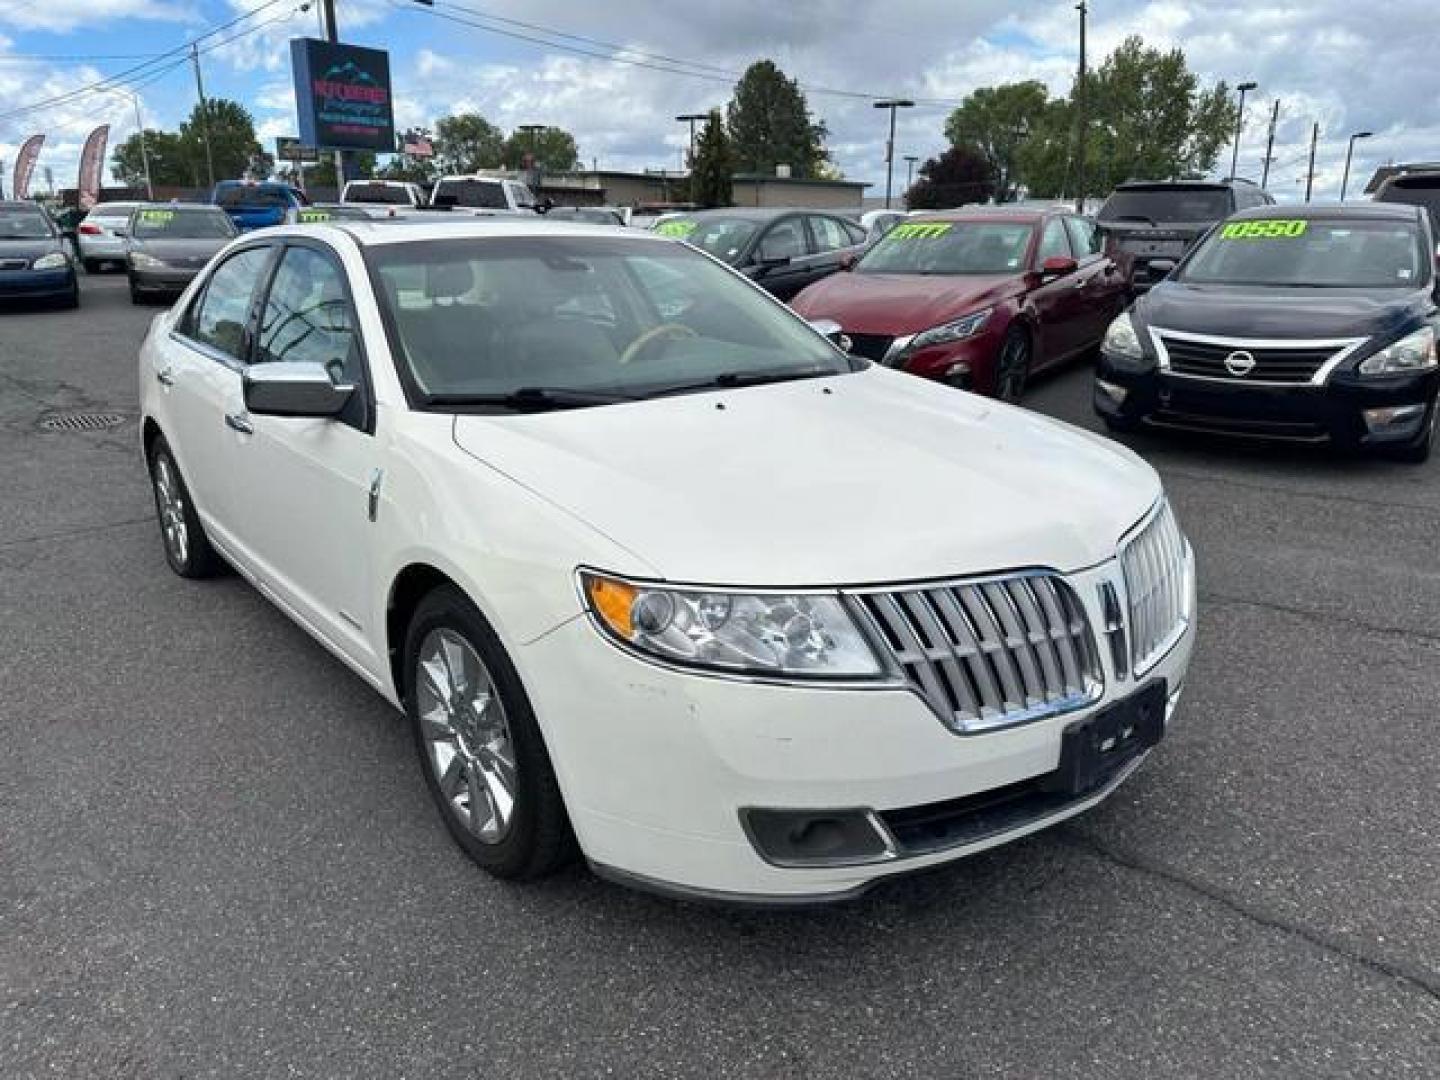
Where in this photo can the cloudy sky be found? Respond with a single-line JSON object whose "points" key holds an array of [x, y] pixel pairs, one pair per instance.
{"points": [[1350, 66]]}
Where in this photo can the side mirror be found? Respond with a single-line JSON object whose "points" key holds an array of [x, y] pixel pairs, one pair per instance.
{"points": [[769, 260], [1160, 267], [829, 328], [847, 260], [294, 389], [1058, 266]]}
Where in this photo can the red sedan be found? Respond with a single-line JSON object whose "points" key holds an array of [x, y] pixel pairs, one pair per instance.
{"points": [[978, 298]]}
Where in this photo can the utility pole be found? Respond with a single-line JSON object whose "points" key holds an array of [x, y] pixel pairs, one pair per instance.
{"points": [[1270, 143], [332, 34], [204, 115], [1081, 121], [1310, 173], [893, 104], [692, 118], [910, 160]]}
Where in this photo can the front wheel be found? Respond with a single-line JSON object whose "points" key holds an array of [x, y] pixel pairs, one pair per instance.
{"points": [[92, 266], [480, 747], [187, 548], [1012, 367]]}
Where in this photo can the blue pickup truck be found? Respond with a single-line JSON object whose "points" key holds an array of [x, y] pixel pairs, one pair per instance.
{"points": [[254, 205]]}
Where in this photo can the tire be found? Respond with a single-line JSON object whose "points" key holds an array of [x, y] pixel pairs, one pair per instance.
{"points": [[187, 548], [1120, 426], [478, 741], [136, 297], [93, 266], [1012, 365], [72, 299]]}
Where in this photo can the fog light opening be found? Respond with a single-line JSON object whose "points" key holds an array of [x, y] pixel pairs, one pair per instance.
{"points": [[1117, 394], [816, 837], [1392, 416]]}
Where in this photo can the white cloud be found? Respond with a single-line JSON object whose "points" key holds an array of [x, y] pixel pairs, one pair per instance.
{"points": [[67, 15]]}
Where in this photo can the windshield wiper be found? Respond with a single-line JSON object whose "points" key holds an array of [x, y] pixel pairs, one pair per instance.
{"points": [[728, 380], [534, 399]]}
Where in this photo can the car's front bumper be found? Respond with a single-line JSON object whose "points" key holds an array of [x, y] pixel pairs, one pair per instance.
{"points": [[166, 280], [1335, 412], [37, 283], [659, 765]]}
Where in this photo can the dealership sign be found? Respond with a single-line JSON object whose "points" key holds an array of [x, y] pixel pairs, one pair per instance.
{"points": [[342, 96], [289, 148]]}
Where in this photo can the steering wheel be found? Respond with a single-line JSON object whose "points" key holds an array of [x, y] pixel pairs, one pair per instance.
{"points": [[654, 334]]}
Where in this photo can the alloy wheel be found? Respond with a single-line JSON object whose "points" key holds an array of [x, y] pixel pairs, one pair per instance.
{"points": [[171, 503], [468, 742]]}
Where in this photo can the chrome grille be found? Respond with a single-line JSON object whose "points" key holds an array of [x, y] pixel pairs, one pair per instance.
{"points": [[1153, 561], [993, 652]]}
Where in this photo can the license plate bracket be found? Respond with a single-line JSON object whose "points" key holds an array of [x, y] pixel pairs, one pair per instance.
{"points": [[1095, 749]]}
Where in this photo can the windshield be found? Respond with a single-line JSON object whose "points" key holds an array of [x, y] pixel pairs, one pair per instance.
{"points": [[483, 318], [591, 216], [383, 194], [245, 196], [23, 223], [1155, 205], [723, 237], [950, 247], [487, 194], [1320, 252], [173, 224]]}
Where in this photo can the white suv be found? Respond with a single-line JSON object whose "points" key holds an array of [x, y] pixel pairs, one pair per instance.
{"points": [[482, 193], [383, 193], [655, 568]]}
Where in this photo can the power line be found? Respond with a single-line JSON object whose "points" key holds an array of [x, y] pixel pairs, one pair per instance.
{"points": [[68, 58], [139, 71], [622, 54]]}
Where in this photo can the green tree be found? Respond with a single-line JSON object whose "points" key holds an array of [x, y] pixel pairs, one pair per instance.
{"points": [[997, 120], [713, 170], [1150, 118], [322, 173], [467, 142], [769, 124], [169, 160], [554, 150], [1044, 160], [234, 148], [958, 176]]}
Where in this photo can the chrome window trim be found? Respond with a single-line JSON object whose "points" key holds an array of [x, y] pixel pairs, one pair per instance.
{"points": [[1346, 347]]}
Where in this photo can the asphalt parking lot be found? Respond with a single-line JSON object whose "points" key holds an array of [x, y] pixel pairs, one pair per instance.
{"points": [[217, 857]]}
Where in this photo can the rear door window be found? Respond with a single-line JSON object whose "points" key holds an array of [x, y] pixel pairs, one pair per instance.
{"points": [[829, 234]]}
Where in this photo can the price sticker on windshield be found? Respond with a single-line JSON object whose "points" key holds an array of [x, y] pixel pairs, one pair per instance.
{"points": [[677, 229], [156, 217], [1277, 229], [313, 217], [920, 230]]}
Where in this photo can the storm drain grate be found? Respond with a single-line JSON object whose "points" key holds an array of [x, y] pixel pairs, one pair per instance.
{"points": [[81, 421]]}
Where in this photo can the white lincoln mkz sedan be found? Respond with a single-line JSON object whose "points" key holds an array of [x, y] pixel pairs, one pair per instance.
{"points": [[652, 566]]}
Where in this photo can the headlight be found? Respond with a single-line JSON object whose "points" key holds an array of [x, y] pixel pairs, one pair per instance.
{"points": [[56, 260], [1122, 346], [1414, 352], [958, 330], [145, 262], [810, 635]]}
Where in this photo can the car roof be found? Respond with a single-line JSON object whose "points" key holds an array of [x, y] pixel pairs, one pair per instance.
{"points": [[1312, 211], [754, 213], [1029, 214], [108, 207], [15, 204], [1183, 185], [209, 208], [385, 231]]}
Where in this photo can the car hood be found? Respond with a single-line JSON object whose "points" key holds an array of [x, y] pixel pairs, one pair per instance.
{"points": [[27, 249], [1251, 312], [855, 479], [181, 252], [900, 303]]}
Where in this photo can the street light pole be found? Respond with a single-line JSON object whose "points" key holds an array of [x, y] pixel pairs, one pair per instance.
{"points": [[893, 104], [1081, 121], [1310, 173], [1239, 123], [204, 114], [1349, 153]]}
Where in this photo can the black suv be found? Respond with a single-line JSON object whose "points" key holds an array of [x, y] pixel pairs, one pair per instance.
{"points": [[1418, 187], [1159, 221]]}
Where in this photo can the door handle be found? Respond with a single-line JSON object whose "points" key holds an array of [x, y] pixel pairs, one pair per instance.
{"points": [[239, 422], [164, 378]]}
